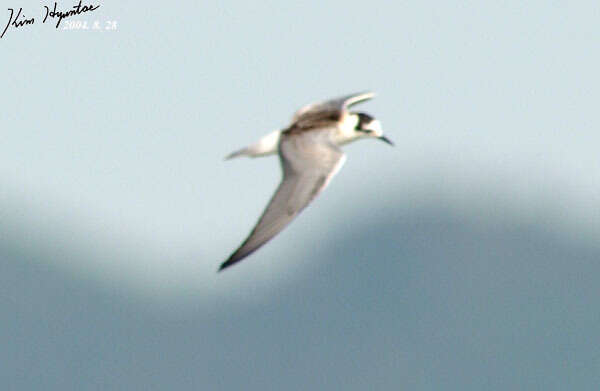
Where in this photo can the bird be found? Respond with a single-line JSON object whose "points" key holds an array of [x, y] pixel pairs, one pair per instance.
{"points": [[310, 156]]}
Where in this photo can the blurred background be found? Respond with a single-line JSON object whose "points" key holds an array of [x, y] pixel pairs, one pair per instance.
{"points": [[465, 258]]}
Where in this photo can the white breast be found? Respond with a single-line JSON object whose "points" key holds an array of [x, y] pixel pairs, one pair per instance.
{"points": [[346, 130]]}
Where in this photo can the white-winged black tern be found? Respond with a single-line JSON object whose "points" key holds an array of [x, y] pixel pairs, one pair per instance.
{"points": [[310, 156]]}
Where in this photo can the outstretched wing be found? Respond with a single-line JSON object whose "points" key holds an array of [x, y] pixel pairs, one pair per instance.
{"points": [[333, 107], [309, 160]]}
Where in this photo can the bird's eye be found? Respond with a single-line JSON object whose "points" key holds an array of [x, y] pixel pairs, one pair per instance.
{"points": [[363, 120]]}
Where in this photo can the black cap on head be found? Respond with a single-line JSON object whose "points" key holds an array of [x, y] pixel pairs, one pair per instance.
{"points": [[363, 120]]}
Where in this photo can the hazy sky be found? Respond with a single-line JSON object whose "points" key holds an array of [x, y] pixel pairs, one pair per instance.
{"points": [[115, 139], [111, 160]]}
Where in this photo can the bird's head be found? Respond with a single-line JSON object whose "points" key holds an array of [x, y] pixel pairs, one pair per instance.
{"points": [[367, 126]]}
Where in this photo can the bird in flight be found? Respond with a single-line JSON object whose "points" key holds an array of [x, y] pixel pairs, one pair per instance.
{"points": [[310, 156]]}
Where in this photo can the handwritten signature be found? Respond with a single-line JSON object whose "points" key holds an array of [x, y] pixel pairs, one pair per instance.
{"points": [[20, 20]]}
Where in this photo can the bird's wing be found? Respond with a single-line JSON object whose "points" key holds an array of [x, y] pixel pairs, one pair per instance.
{"points": [[309, 160], [335, 106]]}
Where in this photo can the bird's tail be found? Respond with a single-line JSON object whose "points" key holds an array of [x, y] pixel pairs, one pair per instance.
{"points": [[265, 146], [239, 152]]}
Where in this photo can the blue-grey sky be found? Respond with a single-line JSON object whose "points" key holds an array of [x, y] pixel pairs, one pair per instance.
{"points": [[476, 235]]}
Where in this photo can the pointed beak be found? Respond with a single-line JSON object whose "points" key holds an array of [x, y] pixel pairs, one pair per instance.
{"points": [[385, 139]]}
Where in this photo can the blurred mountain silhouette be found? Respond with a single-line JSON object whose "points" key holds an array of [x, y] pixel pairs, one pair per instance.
{"points": [[424, 299]]}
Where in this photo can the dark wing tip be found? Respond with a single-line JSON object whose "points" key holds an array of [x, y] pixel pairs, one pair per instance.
{"points": [[226, 264], [233, 259]]}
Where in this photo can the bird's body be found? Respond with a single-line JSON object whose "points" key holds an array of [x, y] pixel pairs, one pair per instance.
{"points": [[310, 157]]}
